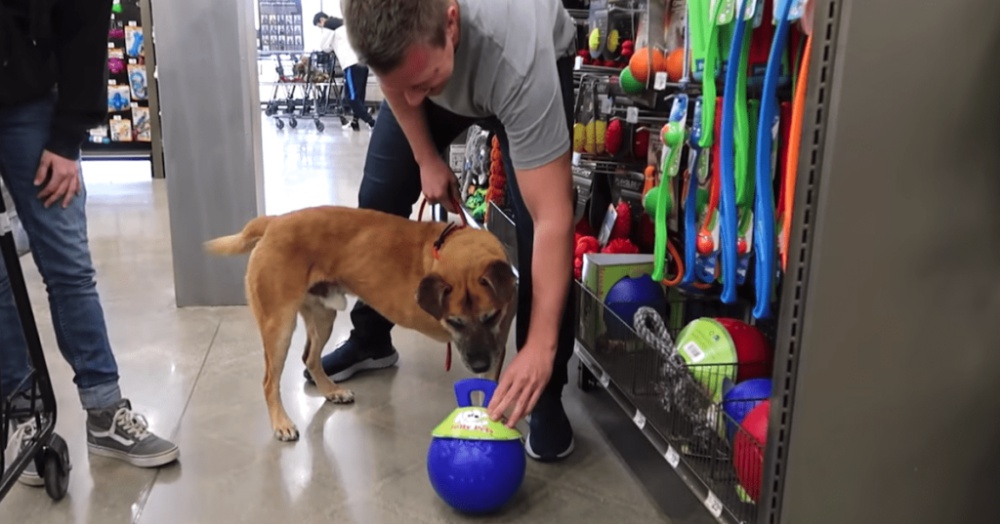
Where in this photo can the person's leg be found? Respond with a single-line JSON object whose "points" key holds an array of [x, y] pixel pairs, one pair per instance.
{"points": [[551, 435], [60, 250], [360, 78], [391, 183]]}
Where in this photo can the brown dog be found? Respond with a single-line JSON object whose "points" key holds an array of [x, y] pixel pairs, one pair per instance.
{"points": [[454, 285]]}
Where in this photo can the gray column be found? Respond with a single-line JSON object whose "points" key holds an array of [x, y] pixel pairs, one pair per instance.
{"points": [[208, 95]]}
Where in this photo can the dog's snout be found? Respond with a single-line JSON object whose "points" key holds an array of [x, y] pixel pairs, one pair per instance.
{"points": [[481, 365]]}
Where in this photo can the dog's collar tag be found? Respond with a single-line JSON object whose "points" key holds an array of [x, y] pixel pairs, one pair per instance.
{"points": [[474, 423]]}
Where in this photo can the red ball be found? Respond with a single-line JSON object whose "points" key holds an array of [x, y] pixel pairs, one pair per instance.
{"points": [[705, 244], [748, 449], [640, 148], [623, 222], [753, 352], [741, 247], [587, 244]]}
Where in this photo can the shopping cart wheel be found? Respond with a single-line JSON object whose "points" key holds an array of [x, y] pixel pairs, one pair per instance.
{"points": [[55, 467], [280, 124], [319, 126], [293, 122]]}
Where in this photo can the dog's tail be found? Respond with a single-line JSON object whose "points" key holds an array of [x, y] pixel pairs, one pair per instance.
{"points": [[242, 242]]}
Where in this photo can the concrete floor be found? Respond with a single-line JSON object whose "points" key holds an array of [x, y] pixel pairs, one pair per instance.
{"points": [[196, 374]]}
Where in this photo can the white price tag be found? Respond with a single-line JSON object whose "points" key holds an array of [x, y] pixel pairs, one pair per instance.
{"points": [[605, 104], [639, 419], [132, 23], [605, 380], [672, 456], [578, 62], [632, 115], [660, 81], [713, 504], [576, 158]]}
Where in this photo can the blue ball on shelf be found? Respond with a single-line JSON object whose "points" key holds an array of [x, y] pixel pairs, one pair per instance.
{"points": [[741, 399], [625, 298]]}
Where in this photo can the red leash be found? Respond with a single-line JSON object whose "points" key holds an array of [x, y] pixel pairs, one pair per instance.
{"points": [[449, 229]]}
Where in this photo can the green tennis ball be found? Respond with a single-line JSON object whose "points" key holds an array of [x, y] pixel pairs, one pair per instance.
{"points": [[628, 82]]}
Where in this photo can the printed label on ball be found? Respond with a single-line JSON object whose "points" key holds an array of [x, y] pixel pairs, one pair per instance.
{"points": [[474, 423], [673, 458], [694, 353]]}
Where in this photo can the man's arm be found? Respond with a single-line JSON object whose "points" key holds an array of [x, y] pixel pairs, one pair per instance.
{"points": [[548, 194], [80, 33]]}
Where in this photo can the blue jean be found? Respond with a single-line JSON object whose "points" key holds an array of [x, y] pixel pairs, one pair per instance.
{"points": [[60, 250], [356, 87], [391, 183]]}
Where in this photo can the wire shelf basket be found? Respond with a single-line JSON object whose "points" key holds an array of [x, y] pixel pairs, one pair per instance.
{"points": [[682, 403]]}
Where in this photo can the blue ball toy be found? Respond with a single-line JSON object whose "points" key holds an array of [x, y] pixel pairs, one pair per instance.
{"points": [[741, 399], [625, 298], [475, 465]]}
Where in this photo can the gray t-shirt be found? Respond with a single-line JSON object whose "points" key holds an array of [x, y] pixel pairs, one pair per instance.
{"points": [[505, 66]]}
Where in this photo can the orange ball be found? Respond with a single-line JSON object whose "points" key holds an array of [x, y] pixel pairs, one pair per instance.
{"points": [[675, 64], [644, 64]]}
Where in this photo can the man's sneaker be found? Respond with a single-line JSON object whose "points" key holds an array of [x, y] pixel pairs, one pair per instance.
{"points": [[20, 439], [120, 433], [352, 356], [550, 436], [353, 124]]}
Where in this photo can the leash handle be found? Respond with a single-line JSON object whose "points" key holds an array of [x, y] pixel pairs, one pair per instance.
{"points": [[454, 202]]}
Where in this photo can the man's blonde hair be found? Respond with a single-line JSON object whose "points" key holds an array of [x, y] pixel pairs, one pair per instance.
{"points": [[381, 31]]}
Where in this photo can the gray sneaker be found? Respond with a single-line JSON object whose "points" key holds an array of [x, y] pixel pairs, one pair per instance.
{"points": [[22, 436], [120, 433]]}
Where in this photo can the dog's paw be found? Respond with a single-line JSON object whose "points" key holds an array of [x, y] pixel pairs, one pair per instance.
{"points": [[341, 396], [286, 433]]}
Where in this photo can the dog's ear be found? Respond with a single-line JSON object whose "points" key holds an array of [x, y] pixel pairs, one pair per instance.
{"points": [[499, 277], [432, 294]]}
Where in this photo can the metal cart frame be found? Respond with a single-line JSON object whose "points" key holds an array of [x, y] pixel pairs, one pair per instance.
{"points": [[47, 449]]}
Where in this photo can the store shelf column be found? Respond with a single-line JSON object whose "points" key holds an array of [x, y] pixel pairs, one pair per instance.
{"points": [[206, 63]]}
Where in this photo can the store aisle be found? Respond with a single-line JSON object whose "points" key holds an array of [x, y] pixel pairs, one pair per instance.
{"points": [[197, 373]]}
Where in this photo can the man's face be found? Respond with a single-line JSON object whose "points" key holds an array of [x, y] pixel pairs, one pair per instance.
{"points": [[321, 22], [425, 69]]}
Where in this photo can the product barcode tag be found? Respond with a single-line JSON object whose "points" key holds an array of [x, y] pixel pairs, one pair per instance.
{"points": [[578, 62], [713, 504], [639, 419], [605, 104], [693, 352], [660, 81], [132, 23], [632, 115], [605, 380], [673, 458]]}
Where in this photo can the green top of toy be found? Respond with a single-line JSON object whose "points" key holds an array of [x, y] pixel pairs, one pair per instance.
{"points": [[474, 423], [469, 422]]}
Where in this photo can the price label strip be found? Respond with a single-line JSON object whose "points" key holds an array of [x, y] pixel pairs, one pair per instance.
{"points": [[714, 505], [639, 419], [673, 457]]}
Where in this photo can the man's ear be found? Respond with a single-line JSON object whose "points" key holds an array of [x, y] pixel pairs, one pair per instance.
{"points": [[432, 294], [499, 277]]}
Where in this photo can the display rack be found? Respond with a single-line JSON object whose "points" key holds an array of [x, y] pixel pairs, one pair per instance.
{"points": [[645, 79], [129, 128]]}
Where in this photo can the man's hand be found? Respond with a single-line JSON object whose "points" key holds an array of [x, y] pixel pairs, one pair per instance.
{"points": [[439, 183], [522, 383], [63, 177]]}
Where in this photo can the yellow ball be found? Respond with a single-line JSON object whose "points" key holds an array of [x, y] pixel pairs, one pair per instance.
{"points": [[601, 128], [591, 146], [579, 137], [613, 40], [595, 40]]}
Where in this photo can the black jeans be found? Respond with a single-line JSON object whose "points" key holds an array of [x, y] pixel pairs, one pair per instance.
{"points": [[391, 183], [355, 90]]}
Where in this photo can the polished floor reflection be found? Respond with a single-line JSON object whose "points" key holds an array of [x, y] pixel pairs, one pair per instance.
{"points": [[196, 374]]}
